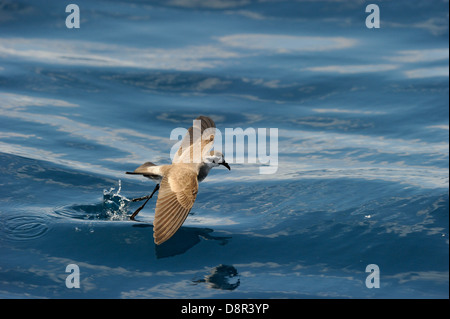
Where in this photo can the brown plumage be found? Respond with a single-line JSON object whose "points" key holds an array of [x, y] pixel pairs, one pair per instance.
{"points": [[179, 181]]}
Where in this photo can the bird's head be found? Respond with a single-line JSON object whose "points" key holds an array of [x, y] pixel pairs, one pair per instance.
{"points": [[216, 158]]}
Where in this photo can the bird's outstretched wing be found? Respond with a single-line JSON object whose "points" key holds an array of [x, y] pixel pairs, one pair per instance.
{"points": [[176, 197], [197, 142]]}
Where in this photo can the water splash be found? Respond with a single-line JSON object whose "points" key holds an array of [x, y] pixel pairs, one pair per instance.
{"points": [[112, 207], [115, 206]]}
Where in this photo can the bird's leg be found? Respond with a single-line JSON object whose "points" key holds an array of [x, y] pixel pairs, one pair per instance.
{"points": [[142, 198], [139, 209], [138, 199]]}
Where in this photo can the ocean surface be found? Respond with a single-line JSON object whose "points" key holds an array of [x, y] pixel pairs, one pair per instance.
{"points": [[363, 148]]}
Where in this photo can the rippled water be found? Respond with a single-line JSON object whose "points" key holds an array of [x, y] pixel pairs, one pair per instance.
{"points": [[362, 118]]}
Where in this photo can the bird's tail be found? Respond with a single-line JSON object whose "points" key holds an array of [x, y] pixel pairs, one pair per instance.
{"points": [[147, 171], [144, 168]]}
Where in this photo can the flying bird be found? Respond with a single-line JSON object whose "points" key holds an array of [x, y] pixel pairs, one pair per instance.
{"points": [[178, 182]]}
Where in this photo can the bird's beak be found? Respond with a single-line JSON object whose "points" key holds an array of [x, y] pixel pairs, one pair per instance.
{"points": [[226, 165]]}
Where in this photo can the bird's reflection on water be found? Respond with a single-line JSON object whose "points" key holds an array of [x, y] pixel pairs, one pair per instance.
{"points": [[220, 278]]}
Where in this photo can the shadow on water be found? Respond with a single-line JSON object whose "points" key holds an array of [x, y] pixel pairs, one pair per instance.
{"points": [[183, 240], [115, 207]]}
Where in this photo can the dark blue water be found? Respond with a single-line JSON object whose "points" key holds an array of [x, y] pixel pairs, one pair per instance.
{"points": [[363, 130]]}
